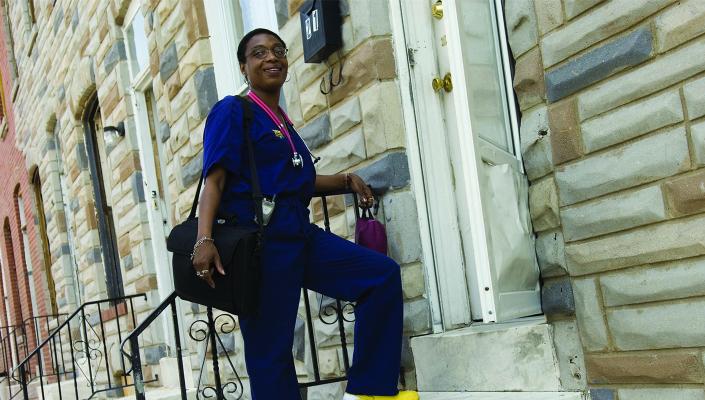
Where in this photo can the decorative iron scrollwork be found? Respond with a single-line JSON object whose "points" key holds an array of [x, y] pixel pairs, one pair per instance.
{"points": [[211, 330], [89, 347], [330, 312]]}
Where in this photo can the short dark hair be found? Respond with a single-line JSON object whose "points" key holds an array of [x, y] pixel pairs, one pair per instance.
{"points": [[246, 39]]}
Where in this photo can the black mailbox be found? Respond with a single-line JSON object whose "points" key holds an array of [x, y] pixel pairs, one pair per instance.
{"points": [[321, 29]]}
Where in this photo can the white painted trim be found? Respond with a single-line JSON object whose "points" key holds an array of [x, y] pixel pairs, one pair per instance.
{"points": [[431, 166], [413, 153], [221, 16], [469, 167], [222, 28]]}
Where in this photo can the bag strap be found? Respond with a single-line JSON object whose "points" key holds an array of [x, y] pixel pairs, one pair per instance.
{"points": [[256, 190]]}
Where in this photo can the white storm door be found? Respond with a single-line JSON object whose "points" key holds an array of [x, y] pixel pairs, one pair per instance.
{"points": [[445, 271], [490, 187]]}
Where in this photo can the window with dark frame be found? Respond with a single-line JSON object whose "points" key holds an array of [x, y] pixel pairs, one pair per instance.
{"points": [[44, 239]]}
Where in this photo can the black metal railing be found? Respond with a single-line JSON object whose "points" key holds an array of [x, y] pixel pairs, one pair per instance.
{"points": [[16, 341], [75, 359], [212, 328]]}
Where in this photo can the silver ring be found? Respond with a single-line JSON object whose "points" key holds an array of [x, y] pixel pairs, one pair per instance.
{"points": [[202, 273]]}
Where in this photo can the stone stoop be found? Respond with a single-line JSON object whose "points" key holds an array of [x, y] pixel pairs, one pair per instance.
{"points": [[502, 396], [167, 387], [518, 356]]}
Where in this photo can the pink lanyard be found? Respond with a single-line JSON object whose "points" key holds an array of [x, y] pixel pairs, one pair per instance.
{"points": [[296, 159]]}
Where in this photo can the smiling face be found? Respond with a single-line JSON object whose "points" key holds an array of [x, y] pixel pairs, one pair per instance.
{"points": [[266, 74]]}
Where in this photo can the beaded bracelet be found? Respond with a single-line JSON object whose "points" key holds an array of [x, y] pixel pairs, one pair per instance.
{"points": [[198, 244]]}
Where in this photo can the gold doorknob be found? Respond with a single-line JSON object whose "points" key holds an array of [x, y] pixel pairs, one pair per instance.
{"points": [[446, 83], [437, 9]]}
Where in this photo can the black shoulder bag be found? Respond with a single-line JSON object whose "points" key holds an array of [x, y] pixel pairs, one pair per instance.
{"points": [[238, 246]]}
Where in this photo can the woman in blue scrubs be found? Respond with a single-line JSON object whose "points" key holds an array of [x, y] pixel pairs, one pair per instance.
{"points": [[296, 253]]}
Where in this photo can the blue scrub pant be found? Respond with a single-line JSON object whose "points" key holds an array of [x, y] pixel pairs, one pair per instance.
{"points": [[299, 254]]}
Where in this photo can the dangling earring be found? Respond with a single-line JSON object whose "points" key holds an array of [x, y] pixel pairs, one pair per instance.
{"points": [[247, 80], [288, 77]]}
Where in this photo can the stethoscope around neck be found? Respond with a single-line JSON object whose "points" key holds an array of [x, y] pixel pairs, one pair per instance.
{"points": [[296, 160]]}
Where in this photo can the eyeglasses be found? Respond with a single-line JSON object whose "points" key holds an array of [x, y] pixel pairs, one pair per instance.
{"points": [[262, 52]]}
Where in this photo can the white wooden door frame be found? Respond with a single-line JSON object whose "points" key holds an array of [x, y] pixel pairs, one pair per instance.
{"points": [[157, 259], [429, 164]]}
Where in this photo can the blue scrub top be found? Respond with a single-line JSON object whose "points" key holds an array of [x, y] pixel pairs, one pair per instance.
{"points": [[223, 144]]}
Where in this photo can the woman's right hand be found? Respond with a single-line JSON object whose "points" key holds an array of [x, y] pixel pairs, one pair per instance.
{"points": [[205, 259]]}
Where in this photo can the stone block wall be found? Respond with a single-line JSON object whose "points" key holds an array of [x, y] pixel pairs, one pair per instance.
{"points": [[357, 127], [72, 53], [611, 94]]}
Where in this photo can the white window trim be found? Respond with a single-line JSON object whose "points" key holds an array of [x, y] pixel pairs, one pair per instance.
{"points": [[220, 16]]}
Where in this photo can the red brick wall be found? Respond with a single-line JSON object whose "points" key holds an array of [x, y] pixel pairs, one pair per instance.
{"points": [[13, 174]]}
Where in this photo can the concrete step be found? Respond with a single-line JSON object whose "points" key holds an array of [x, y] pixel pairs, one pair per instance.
{"points": [[506, 357], [502, 396]]}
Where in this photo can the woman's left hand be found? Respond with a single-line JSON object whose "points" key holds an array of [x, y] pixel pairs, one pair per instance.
{"points": [[363, 191]]}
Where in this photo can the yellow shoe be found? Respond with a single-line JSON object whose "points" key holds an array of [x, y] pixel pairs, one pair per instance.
{"points": [[402, 395]]}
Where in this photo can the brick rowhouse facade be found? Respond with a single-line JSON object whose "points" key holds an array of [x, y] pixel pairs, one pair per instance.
{"points": [[16, 184]]}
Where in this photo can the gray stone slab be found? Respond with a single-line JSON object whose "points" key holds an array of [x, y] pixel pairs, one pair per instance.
{"points": [[661, 326], [299, 348], [168, 62], [536, 143], [81, 156], [137, 187], [389, 172], [557, 297], [50, 144], [153, 354], [226, 344], [164, 131], [504, 357], [695, 98], [631, 121], [281, 8], [624, 167], [569, 351], [550, 252], [191, 172], [669, 281], [94, 256], [602, 394], [593, 330], [681, 238], [127, 262], [402, 224], [204, 80], [613, 213], [598, 64], [662, 72], [317, 132], [417, 316], [114, 56]]}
